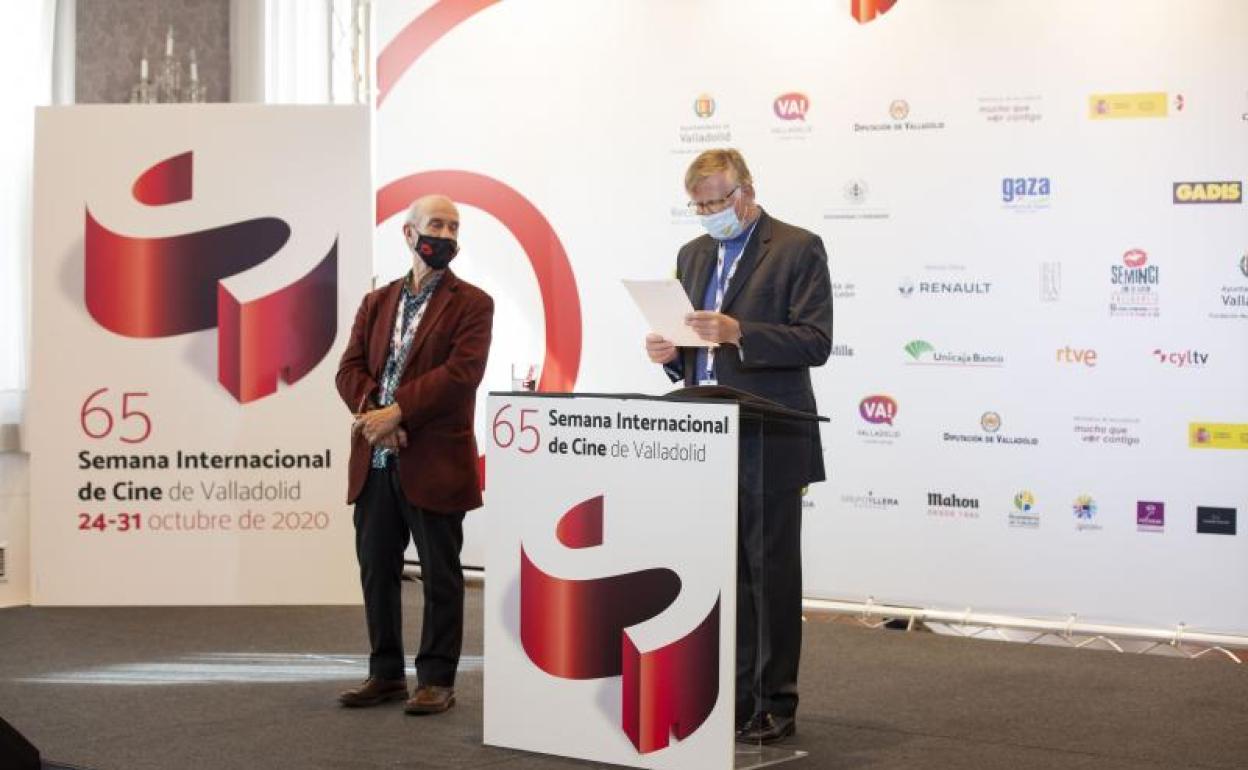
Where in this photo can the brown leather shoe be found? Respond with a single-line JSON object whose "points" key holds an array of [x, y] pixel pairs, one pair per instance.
{"points": [[430, 699], [373, 692]]}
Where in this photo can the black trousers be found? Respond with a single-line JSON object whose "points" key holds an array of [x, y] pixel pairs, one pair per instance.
{"points": [[769, 601], [383, 523]]}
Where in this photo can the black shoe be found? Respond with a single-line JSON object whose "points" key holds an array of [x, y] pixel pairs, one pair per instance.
{"points": [[766, 728], [373, 692]]}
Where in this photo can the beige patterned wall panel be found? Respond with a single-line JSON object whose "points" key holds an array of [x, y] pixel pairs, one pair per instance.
{"points": [[114, 34]]}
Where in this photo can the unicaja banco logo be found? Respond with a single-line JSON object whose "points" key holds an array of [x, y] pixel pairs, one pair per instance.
{"points": [[916, 348], [145, 287]]}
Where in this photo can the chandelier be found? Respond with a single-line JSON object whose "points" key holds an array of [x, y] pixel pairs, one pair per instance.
{"points": [[168, 86]]}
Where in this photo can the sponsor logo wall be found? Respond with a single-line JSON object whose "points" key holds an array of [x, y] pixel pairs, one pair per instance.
{"points": [[1041, 272]]}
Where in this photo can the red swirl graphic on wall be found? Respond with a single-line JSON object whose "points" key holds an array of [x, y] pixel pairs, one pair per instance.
{"points": [[162, 287], [561, 306], [578, 629]]}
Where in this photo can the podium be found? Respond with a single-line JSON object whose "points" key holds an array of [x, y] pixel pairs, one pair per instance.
{"points": [[610, 598]]}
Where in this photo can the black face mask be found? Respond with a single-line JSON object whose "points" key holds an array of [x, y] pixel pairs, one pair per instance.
{"points": [[437, 253]]}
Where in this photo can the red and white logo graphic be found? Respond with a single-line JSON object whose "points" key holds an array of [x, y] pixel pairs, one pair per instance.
{"points": [[140, 286], [579, 629]]}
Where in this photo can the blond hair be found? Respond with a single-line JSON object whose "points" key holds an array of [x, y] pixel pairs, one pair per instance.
{"points": [[712, 162]]}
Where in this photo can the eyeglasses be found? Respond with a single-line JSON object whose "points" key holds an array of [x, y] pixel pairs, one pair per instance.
{"points": [[712, 206]]}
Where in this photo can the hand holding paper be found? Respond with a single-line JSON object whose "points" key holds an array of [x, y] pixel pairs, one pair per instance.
{"points": [[665, 307]]}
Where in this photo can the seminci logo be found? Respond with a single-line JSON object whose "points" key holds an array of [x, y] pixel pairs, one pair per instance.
{"points": [[579, 630], [165, 286]]}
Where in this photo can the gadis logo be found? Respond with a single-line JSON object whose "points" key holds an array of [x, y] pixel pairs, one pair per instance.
{"points": [[878, 409], [791, 106], [1208, 192]]}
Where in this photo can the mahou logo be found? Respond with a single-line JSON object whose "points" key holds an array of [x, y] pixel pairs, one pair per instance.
{"points": [[165, 286], [878, 409], [791, 106], [868, 10]]}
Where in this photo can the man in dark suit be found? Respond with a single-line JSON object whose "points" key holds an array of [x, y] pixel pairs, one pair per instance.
{"points": [[410, 374], [764, 299]]}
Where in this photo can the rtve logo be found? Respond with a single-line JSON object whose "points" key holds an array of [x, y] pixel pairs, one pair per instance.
{"points": [[1069, 355]]}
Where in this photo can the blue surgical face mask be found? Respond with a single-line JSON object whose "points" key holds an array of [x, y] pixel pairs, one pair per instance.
{"points": [[723, 225]]}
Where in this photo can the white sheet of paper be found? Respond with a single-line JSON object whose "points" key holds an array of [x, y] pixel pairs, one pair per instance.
{"points": [[664, 304]]}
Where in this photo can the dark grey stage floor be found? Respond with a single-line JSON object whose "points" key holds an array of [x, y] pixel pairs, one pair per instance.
{"points": [[125, 689]]}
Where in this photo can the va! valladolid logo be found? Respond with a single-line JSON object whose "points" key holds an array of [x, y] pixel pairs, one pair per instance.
{"points": [[790, 109], [880, 411]]}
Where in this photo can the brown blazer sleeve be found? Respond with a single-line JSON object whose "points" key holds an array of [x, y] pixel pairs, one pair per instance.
{"points": [[354, 381]]}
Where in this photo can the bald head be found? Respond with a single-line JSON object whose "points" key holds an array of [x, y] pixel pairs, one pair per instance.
{"points": [[433, 215]]}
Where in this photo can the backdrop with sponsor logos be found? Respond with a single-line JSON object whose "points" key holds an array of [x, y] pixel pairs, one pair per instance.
{"points": [[197, 269], [1035, 220]]}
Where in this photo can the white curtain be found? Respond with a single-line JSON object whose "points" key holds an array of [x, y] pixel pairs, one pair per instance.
{"points": [[297, 51], [27, 48]]}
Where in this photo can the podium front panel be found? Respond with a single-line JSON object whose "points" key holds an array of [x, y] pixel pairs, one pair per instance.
{"points": [[610, 579]]}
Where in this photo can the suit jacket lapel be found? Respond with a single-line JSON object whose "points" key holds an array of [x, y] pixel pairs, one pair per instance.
{"points": [[755, 252], [700, 271], [437, 304], [384, 329]]}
